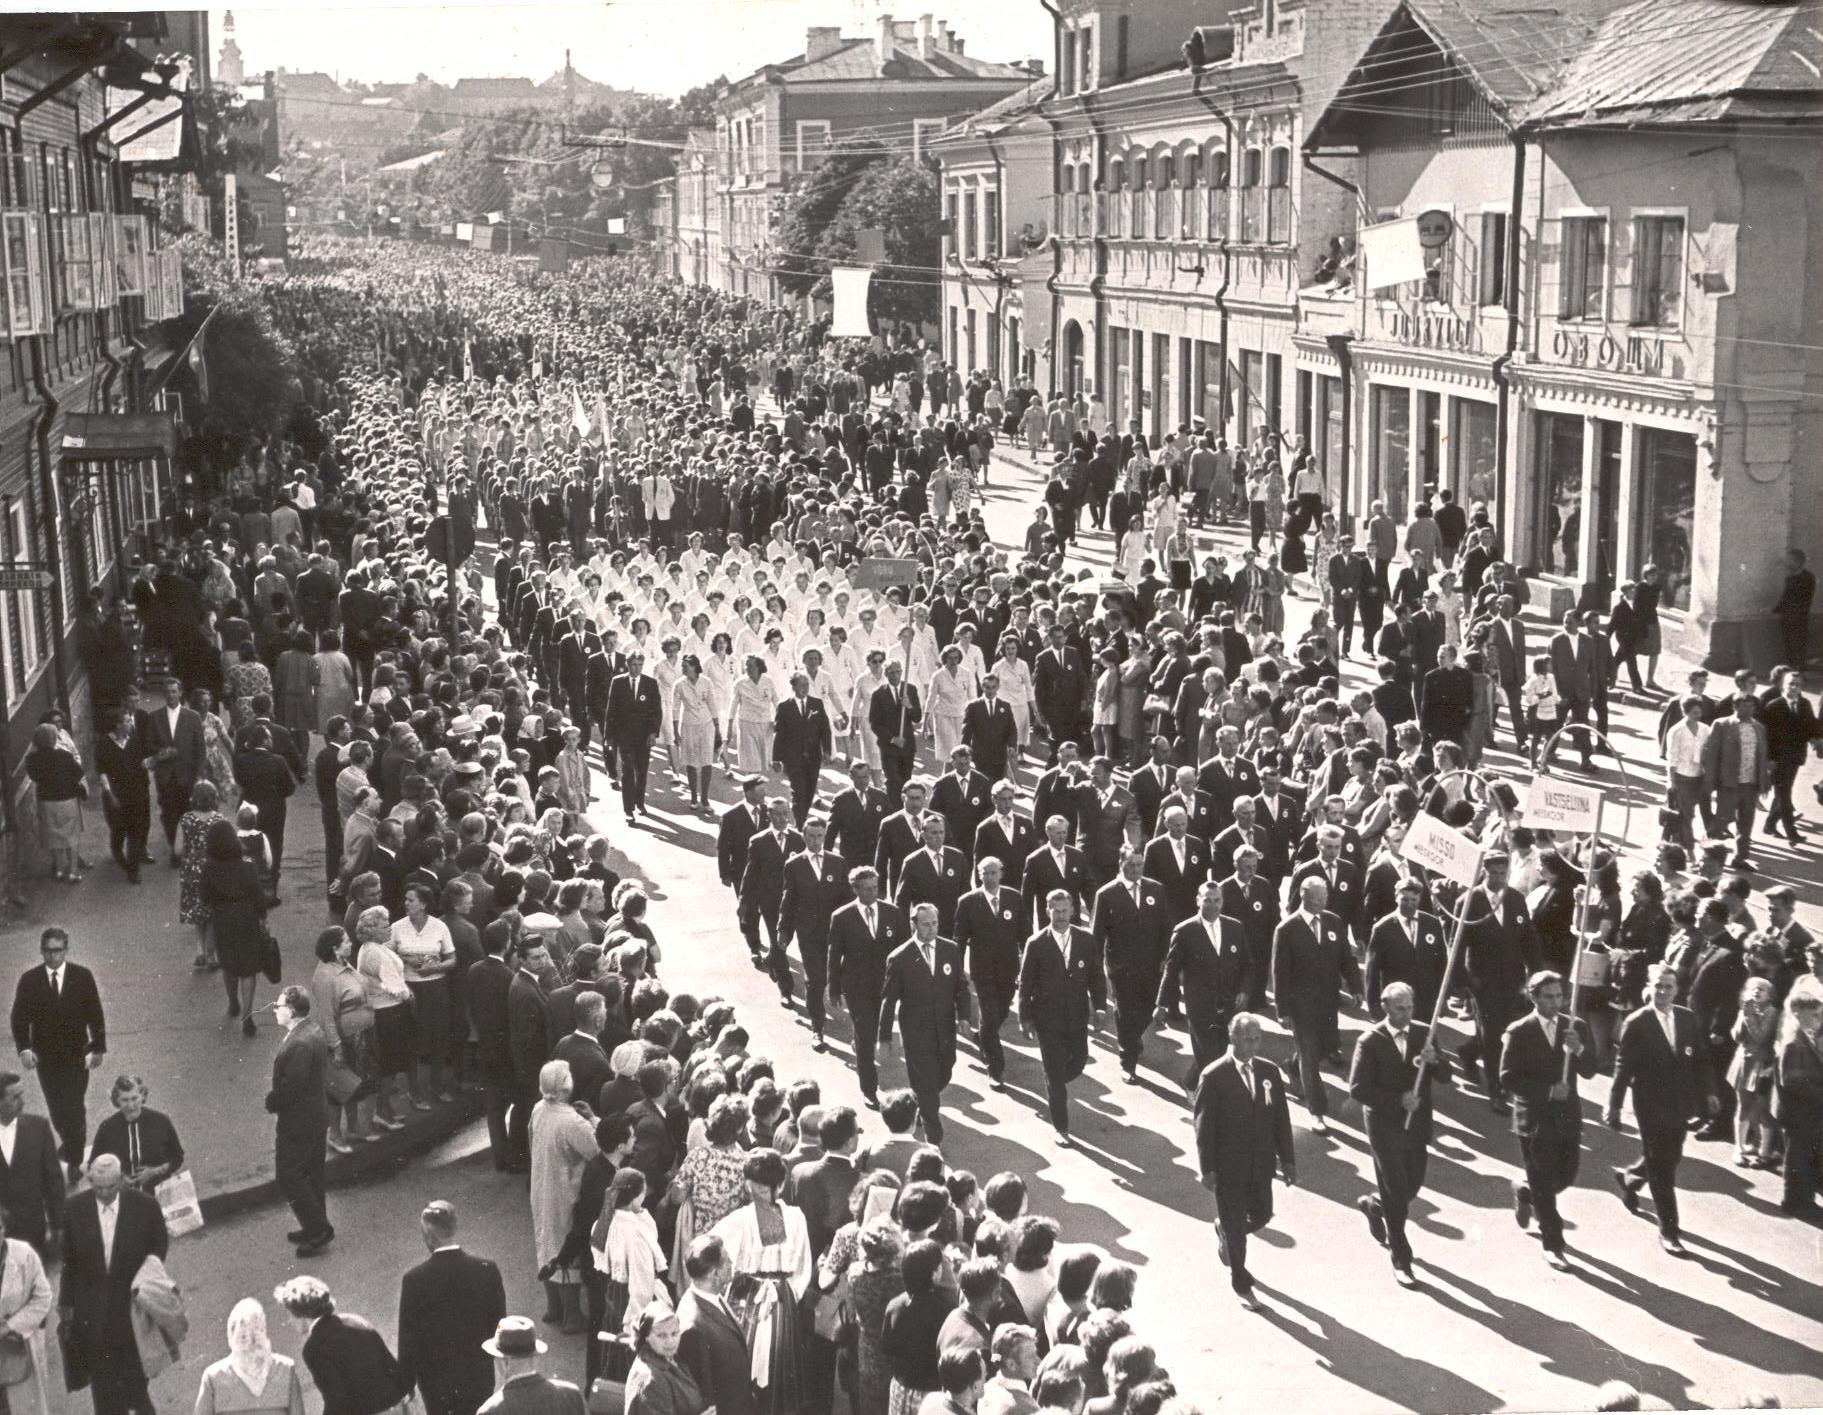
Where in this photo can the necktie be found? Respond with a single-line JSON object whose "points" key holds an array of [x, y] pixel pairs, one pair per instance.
{"points": [[868, 914], [1399, 1037], [57, 981], [1134, 887], [132, 1147], [1247, 1078]]}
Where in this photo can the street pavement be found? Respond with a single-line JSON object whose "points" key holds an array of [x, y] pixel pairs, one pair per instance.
{"points": [[1491, 1327]]}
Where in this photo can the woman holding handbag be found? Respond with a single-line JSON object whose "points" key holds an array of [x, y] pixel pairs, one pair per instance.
{"points": [[57, 778], [144, 1140], [25, 1309], [235, 893]]}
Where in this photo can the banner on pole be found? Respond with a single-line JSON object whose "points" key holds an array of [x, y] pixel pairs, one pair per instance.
{"points": [[1554, 804], [1393, 253], [850, 287], [1441, 850]]}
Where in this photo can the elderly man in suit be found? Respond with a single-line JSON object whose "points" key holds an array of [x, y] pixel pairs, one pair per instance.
{"points": [[1107, 822], [762, 891], [448, 1307], [1061, 988], [936, 874], [893, 714], [581, 1047], [1054, 865], [61, 1033], [634, 719], [990, 927], [524, 1389], [171, 741], [862, 936], [1395, 1063], [1179, 862], [1208, 961], [1243, 1133], [714, 1346], [926, 993], [1132, 924], [299, 1101], [1541, 1058], [855, 816], [1737, 767], [1663, 1059], [112, 1230], [816, 885], [31, 1180], [1006, 835], [1312, 964], [801, 738]]}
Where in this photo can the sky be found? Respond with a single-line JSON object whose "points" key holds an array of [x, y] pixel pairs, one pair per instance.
{"points": [[655, 46]]}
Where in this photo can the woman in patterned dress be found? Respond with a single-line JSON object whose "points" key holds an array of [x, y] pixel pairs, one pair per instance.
{"points": [[218, 746], [245, 679], [192, 831]]}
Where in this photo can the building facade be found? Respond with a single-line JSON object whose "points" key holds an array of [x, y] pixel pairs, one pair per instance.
{"points": [[1607, 347], [901, 86], [996, 168], [81, 287]]}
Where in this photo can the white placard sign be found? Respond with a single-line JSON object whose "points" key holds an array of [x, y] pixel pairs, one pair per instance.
{"points": [[1554, 804], [1441, 850]]}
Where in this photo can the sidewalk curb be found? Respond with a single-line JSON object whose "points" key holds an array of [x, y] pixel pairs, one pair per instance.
{"points": [[420, 1135]]}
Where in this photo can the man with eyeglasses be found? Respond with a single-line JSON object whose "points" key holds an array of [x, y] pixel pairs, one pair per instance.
{"points": [[61, 1033]]}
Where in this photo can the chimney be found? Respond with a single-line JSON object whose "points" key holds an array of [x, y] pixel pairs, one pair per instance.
{"points": [[924, 36], [955, 46], [943, 37], [886, 38], [1035, 67], [821, 40]]}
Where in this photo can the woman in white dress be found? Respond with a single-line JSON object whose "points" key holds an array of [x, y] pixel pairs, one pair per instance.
{"points": [[562, 1142], [667, 672], [756, 701], [947, 703], [1135, 549], [1015, 686], [695, 731], [25, 1308], [721, 671], [861, 704]]}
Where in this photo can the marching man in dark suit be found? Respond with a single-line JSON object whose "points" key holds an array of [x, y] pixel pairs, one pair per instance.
{"points": [[739, 824], [862, 936], [1208, 961], [1663, 1058], [61, 1033], [1132, 925], [1249, 896], [1243, 1133], [855, 816], [1053, 866], [298, 1100], [892, 716], [1407, 946], [963, 797], [1006, 835], [762, 890], [800, 740], [112, 1230], [936, 874], [634, 718], [1061, 988], [990, 926], [448, 1306], [1547, 1116], [1179, 862], [901, 833], [1312, 965], [1385, 1081], [816, 885], [991, 731], [926, 992]]}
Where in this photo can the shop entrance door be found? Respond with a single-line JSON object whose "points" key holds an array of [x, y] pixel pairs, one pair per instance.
{"points": [[1607, 508]]}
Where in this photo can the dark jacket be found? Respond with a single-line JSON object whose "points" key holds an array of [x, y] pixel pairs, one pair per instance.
{"points": [[1242, 1136], [62, 1027], [1380, 1078], [32, 1186], [448, 1305], [354, 1371], [96, 1289], [1671, 1085]]}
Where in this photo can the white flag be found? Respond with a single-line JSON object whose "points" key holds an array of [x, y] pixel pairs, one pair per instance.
{"points": [[851, 303], [1392, 253], [579, 418]]}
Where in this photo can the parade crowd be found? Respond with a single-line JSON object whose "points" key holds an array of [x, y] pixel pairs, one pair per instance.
{"points": [[1099, 809]]}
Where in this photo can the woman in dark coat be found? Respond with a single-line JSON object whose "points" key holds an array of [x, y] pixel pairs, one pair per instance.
{"points": [[236, 899]]}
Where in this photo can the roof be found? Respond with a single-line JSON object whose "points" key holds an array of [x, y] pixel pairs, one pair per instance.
{"points": [[1000, 115], [411, 164], [1714, 60], [494, 88], [860, 59]]}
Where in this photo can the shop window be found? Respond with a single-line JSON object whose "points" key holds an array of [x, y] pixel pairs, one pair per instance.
{"points": [[1558, 525], [1493, 289], [1278, 196], [1664, 528], [1392, 450], [1585, 267], [1473, 441], [1658, 269], [1253, 194]]}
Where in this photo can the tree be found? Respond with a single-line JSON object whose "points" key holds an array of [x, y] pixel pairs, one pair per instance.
{"points": [[812, 206], [904, 200]]}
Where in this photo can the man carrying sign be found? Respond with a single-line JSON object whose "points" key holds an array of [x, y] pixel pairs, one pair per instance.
{"points": [[1500, 948], [1395, 1062]]}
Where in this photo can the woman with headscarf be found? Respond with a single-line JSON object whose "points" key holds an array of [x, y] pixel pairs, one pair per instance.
{"points": [[562, 1141], [767, 1240], [25, 1309], [57, 777], [251, 1377], [630, 1259]]}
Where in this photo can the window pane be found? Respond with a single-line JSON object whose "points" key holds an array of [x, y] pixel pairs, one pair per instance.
{"points": [[1392, 449], [1472, 443], [1666, 524], [1558, 532]]}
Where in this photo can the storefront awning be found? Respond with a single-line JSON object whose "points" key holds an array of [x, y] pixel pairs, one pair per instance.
{"points": [[109, 437]]}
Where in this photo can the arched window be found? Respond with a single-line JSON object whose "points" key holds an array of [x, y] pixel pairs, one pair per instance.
{"points": [[1253, 195], [1164, 206], [1218, 196], [1278, 196], [1191, 206], [1117, 202], [1141, 225]]}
